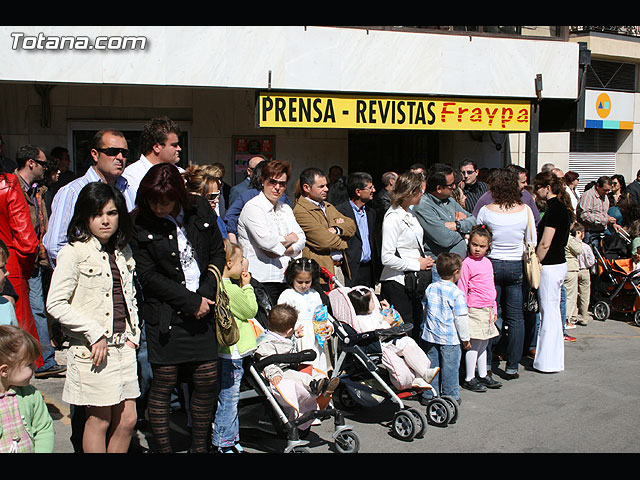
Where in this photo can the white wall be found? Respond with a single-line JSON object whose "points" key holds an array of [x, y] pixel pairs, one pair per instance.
{"points": [[299, 58]]}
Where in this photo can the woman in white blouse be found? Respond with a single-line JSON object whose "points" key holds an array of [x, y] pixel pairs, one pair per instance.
{"points": [[401, 249], [571, 180], [268, 232]]}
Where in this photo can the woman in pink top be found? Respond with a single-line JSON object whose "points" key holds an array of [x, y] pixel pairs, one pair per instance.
{"points": [[477, 283]]}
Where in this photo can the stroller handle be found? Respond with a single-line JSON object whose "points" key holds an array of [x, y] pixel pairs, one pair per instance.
{"points": [[330, 277], [291, 358]]}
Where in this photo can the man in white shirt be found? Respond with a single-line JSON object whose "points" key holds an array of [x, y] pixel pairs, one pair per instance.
{"points": [[159, 143]]}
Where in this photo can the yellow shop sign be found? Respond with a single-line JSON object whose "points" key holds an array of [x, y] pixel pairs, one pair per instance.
{"points": [[290, 110]]}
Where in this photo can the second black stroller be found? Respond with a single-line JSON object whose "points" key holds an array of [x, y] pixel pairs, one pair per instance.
{"points": [[364, 382]]}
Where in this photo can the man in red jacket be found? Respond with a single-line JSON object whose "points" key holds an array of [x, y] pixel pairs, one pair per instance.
{"points": [[17, 232]]}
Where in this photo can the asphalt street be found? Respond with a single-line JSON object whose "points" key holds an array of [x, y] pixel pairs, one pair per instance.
{"points": [[590, 407]]}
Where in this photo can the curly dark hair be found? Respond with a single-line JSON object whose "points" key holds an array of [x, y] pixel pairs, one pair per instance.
{"points": [[504, 188]]}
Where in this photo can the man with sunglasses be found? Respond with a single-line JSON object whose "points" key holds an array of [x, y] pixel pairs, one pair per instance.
{"points": [[473, 187], [159, 143], [109, 153], [443, 220]]}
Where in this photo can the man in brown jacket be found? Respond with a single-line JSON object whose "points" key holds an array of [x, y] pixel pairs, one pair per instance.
{"points": [[326, 229]]}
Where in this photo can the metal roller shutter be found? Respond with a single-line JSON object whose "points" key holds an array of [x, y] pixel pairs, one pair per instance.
{"points": [[590, 166]]}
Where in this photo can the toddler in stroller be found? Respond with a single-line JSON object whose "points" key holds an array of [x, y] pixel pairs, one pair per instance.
{"points": [[406, 362], [297, 390], [369, 337], [297, 393]]}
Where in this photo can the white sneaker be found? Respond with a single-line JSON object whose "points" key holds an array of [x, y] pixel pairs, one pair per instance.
{"points": [[420, 383], [431, 373], [569, 326]]}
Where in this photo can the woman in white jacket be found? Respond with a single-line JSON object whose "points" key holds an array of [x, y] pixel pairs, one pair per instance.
{"points": [[92, 295], [401, 249]]}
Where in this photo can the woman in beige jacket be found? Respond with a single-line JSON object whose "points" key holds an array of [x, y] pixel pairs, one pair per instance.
{"points": [[92, 295]]}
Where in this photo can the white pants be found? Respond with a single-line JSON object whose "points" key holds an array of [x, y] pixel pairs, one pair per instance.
{"points": [[550, 347]]}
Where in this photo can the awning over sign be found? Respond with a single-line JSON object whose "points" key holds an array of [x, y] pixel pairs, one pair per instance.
{"points": [[607, 109]]}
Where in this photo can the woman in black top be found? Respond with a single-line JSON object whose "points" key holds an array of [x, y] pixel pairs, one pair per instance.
{"points": [[176, 238], [553, 233]]}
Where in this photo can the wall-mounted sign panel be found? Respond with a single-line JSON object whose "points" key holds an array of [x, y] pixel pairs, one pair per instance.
{"points": [[305, 110], [605, 109]]}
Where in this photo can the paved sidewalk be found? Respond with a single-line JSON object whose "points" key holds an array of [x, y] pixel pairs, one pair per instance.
{"points": [[589, 407]]}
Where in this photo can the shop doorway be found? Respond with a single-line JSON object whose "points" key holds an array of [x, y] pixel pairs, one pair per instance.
{"points": [[380, 151]]}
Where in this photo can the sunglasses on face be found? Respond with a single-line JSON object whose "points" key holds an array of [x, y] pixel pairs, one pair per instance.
{"points": [[114, 151], [212, 196], [273, 182]]}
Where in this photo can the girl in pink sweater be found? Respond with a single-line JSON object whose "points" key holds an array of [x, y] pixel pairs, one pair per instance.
{"points": [[477, 284]]}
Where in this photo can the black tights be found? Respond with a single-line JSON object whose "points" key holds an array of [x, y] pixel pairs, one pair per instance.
{"points": [[203, 400]]}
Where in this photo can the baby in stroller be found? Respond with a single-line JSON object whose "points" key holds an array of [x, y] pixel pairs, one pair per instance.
{"points": [[407, 364], [297, 390]]}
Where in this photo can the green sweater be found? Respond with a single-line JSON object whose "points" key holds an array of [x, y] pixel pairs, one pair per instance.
{"points": [[36, 418], [243, 305]]}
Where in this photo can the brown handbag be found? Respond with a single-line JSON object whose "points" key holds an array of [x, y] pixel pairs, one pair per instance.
{"points": [[532, 265], [227, 331]]}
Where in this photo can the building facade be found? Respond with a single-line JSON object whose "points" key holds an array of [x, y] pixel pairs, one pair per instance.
{"points": [[364, 98]]}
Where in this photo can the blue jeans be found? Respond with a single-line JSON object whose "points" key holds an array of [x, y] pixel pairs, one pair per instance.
{"points": [[226, 427], [36, 300], [508, 276], [145, 372], [447, 357]]}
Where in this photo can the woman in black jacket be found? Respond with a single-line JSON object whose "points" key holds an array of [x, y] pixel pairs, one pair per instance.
{"points": [[176, 238]]}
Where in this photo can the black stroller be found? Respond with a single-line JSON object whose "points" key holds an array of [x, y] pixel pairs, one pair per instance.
{"points": [[357, 362]]}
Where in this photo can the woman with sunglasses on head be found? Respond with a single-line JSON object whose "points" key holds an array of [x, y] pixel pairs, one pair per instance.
{"points": [[198, 182], [175, 240], [268, 231]]}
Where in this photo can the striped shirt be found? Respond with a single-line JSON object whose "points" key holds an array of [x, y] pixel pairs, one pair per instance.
{"points": [[592, 210], [473, 193], [446, 320], [64, 204]]}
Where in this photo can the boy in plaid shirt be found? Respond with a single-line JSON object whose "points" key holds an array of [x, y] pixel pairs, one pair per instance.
{"points": [[446, 325]]}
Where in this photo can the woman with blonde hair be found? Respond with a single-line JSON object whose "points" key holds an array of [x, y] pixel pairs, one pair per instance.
{"points": [[199, 182]]}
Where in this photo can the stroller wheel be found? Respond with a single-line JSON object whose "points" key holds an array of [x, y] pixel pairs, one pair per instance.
{"points": [[601, 310], [404, 425], [421, 422], [636, 318], [439, 412], [347, 442], [453, 405]]}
